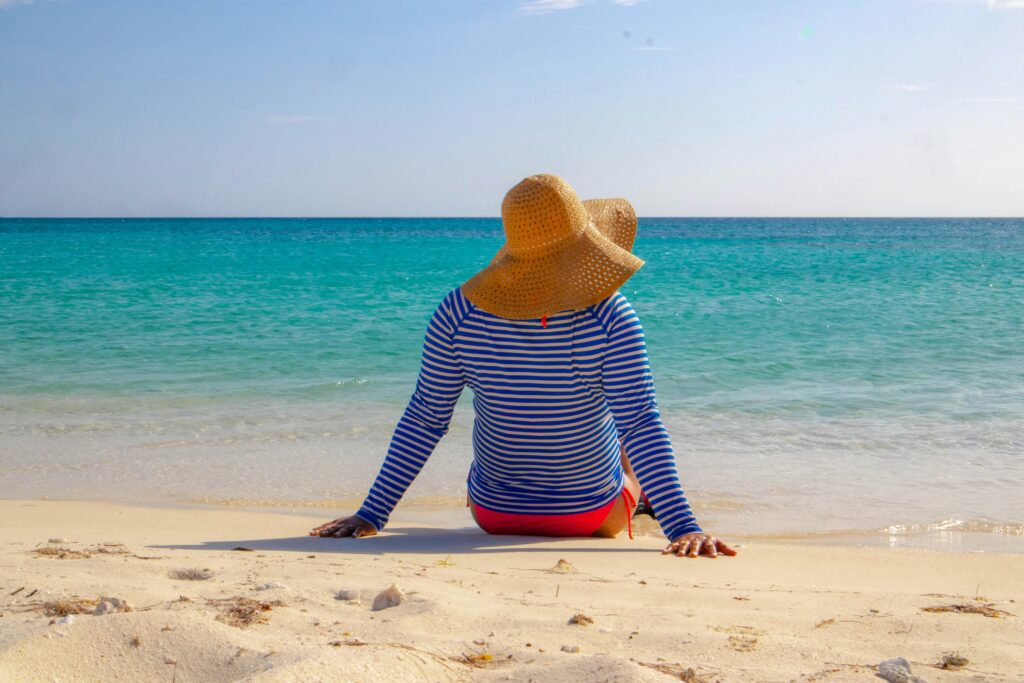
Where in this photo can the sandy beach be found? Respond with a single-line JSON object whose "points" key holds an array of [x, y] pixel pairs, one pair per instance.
{"points": [[200, 594]]}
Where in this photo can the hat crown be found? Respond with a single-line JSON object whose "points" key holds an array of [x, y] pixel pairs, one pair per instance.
{"points": [[539, 213]]}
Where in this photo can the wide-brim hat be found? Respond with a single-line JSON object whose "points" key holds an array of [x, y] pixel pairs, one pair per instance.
{"points": [[560, 253]]}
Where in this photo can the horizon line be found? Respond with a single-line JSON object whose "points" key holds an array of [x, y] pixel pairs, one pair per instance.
{"points": [[464, 217]]}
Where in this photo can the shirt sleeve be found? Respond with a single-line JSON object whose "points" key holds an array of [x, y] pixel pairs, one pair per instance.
{"points": [[629, 389], [426, 418]]}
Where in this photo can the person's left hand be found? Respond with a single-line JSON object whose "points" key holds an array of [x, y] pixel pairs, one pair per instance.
{"points": [[697, 543]]}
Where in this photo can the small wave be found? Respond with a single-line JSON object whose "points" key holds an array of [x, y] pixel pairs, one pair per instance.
{"points": [[976, 526]]}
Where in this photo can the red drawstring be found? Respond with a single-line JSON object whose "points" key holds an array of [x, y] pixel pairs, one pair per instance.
{"points": [[630, 503], [544, 321]]}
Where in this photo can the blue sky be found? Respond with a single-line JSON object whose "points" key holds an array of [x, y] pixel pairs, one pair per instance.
{"points": [[355, 108]]}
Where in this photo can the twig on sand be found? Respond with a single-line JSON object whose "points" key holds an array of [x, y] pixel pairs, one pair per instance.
{"points": [[986, 610]]}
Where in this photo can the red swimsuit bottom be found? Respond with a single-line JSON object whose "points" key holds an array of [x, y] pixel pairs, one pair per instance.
{"points": [[575, 524]]}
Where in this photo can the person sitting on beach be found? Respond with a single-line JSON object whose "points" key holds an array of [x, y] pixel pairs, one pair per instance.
{"points": [[567, 434]]}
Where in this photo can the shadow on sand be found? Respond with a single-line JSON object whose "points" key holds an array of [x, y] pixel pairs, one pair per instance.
{"points": [[426, 541]]}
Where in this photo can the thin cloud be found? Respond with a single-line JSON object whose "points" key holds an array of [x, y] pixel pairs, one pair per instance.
{"points": [[294, 119], [991, 4], [8, 4], [549, 6], [913, 87], [988, 100]]}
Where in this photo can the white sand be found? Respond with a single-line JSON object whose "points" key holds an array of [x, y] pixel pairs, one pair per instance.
{"points": [[774, 613]]}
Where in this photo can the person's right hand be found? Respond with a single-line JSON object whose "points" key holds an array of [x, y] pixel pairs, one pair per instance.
{"points": [[353, 526]]}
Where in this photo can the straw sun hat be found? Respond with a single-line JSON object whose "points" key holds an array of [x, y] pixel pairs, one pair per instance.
{"points": [[560, 253]]}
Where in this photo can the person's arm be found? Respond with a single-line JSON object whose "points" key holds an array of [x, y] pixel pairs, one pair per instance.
{"points": [[425, 420], [629, 389]]}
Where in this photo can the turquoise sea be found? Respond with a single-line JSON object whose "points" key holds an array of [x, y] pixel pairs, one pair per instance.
{"points": [[839, 378]]}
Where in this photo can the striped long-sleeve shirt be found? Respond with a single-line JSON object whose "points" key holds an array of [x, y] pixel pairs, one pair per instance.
{"points": [[553, 398]]}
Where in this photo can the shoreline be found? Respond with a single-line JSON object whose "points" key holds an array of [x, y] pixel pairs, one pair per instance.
{"points": [[948, 536], [476, 607]]}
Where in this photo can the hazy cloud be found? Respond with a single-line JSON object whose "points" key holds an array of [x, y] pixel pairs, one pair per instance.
{"points": [[8, 4]]}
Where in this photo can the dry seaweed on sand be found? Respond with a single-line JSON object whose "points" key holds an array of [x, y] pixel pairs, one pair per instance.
{"points": [[61, 553], [65, 606], [191, 574], [476, 659], [110, 549], [580, 619], [986, 610], [688, 674], [242, 612]]}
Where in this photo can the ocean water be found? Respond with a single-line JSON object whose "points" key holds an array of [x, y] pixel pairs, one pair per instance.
{"points": [[820, 378]]}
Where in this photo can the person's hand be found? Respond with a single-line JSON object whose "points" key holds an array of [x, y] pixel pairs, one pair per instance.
{"points": [[353, 526], [697, 543]]}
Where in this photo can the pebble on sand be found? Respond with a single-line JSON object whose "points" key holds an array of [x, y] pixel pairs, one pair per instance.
{"points": [[563, 567], [897, 670], [571, 649], [58, 539], [392, 596], [109, 605], [271, 585], [348, 594]]}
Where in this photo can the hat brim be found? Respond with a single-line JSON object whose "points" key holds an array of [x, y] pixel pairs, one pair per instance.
{"points": [[579, 273]]}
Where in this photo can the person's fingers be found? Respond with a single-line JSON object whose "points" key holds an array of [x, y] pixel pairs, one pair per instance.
{"points": [[683, 547], [324, 526], [669, 549], [694, 549], [343, 531], [725, 549], [333, 529], [710, 545]]}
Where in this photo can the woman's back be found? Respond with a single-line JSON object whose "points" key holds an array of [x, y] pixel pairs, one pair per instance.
{"points": [[552, 397]]}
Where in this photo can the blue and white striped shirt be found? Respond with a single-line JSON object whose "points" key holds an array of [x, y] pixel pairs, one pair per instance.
{"points": [[552, 403]]}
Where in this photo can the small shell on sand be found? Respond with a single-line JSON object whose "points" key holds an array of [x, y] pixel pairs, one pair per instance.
{"points": [[563, 567], [109, 605], [571, 649], [392, 596], [271, 585], [58, 539]]}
